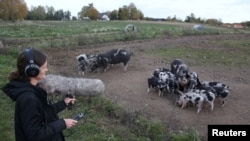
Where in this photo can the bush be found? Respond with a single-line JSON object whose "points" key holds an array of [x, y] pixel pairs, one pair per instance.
{"points": [[189, 134]]}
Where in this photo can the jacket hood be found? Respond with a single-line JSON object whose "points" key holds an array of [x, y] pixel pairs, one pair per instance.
{"points": [[14, 89]]}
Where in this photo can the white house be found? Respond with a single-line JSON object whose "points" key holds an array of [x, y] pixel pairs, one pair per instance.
{"points": [[105, 17]]}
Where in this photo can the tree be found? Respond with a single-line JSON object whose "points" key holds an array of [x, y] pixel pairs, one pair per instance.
{"points": [[213, 22], [129, 13], [114, 15], [67, 15], [141, 14], [50, 12], [93, 14], [168, 19], [190, 19], [246, 23], [132, 11], [13, 9], [74, 18], [119, 14], [123, 13], [173, 19], [59, 15], [83, 13], [88, 11], [40, 13], [37, 13]]}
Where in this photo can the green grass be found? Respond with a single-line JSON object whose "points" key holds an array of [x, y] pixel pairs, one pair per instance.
{"points": [[233, 53], [77, 33], [7, 118], [106, 121], [7, 64], [189, 134]]}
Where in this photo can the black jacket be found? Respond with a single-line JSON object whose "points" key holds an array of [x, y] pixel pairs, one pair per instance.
{"points": [[35, 118]]}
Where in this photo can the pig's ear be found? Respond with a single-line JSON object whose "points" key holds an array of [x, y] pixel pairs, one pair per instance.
{"points": [[181, 93]]}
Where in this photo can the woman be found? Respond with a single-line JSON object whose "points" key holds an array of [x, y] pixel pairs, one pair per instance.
{"points": [[35, 117]]}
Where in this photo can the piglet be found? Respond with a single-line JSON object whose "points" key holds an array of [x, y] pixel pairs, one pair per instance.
{"points": [[190, 97]]}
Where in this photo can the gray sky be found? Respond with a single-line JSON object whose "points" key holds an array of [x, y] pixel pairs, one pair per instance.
{"points": [[230, 11]]}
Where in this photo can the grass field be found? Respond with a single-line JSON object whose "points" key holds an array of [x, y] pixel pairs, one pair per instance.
{"points": [[77, 33]]}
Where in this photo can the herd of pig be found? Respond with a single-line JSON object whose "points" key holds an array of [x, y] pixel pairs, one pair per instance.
{"points": [[177, 80], [186, 85]]}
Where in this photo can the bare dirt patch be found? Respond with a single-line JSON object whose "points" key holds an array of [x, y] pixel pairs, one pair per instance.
{"points": [[129, 89]]}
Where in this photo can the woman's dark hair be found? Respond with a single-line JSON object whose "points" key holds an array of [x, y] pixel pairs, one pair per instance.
{"points": [[23, 60]]}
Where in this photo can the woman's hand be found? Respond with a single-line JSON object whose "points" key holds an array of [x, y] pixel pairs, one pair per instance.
{"points": [[70, 123], [68, 100]]}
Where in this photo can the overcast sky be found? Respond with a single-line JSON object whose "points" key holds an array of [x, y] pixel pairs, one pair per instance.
{"points": [[230, 11]]}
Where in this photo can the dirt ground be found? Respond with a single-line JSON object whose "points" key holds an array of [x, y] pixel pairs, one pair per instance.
{"points": [[129, 89]]}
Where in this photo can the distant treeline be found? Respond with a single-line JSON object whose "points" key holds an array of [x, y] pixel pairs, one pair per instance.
{"points": [[17, 10]]}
